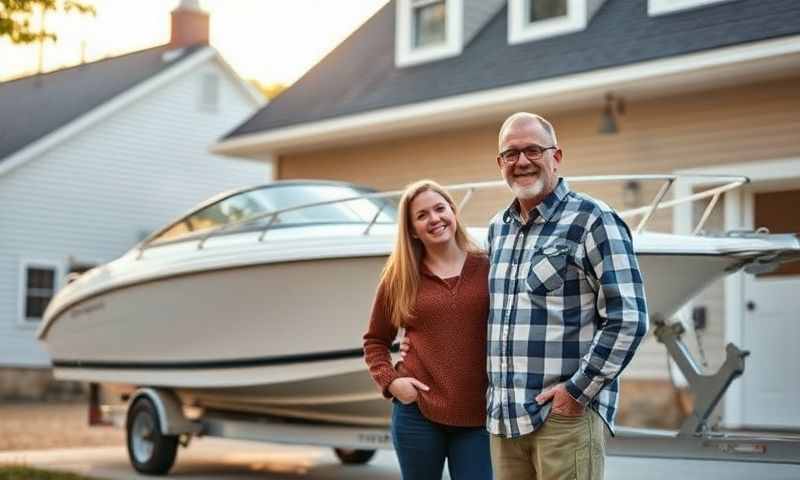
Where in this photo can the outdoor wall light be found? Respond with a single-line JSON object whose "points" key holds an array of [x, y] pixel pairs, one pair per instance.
{"points": [[608, 120], [632, 194]]}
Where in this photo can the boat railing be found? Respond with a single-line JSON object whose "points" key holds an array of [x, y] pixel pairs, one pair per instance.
{"points": [[722, 184]]}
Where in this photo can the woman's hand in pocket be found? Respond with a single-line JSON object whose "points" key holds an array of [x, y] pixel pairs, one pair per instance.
{"points": [[405, 389]]}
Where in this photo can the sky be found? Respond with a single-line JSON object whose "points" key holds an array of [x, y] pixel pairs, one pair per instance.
{"points": [[272, 41]]}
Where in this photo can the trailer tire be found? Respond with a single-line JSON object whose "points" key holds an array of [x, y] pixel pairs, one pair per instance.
{"points": [[350, 456], [149, 451]]}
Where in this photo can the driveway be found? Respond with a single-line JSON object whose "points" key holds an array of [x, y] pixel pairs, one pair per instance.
{"points": [[209, 458]]}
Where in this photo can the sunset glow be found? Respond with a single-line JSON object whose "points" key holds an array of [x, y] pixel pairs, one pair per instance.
{"points": [[272, 41]]}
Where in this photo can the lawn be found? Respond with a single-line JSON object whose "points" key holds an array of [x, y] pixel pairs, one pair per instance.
{"points": [[26, 473]]}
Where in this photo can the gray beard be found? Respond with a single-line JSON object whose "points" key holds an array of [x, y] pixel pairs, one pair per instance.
{"points": [[528, 192]]}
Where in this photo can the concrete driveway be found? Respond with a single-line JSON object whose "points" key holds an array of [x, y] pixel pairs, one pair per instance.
{"points": [[209, 458]]}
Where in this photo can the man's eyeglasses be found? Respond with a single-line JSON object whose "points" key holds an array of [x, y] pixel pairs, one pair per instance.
{"points": [[532, 152]]}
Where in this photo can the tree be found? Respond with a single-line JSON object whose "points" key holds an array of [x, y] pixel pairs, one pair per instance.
{"points": [[269, 90], [15, 17]]}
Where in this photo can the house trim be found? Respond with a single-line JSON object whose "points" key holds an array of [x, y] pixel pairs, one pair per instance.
{"points": [[250, 92], [730, 64], [103, 111], [663, 7], [737, 206], [22, 287], [521, 30], [406, 54]]}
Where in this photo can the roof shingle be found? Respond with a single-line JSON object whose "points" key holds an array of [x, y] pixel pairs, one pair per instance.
{"points": [[360, 74]]}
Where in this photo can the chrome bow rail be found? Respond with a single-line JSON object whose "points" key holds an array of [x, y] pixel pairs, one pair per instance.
{"points": [[724, 183]]}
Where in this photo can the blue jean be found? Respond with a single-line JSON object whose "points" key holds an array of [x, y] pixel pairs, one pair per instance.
{"points": [[422, 447]]}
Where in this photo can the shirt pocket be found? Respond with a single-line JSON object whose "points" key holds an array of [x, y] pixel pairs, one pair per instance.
{"points": [[548, 269]]}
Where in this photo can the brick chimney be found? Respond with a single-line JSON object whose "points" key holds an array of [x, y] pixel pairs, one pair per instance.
{"points": [[189, 25]]}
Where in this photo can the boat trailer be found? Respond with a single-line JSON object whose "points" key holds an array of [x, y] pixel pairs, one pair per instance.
{"points": [[696, 439], [164, 423], [156, 422]]}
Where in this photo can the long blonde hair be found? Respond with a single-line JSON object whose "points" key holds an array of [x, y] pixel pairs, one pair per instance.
{"points": [[401, 275]]}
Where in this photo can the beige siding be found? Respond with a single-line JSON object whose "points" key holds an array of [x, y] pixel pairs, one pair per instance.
{"points": [[742, 124], [656, 136], [451, 157]]}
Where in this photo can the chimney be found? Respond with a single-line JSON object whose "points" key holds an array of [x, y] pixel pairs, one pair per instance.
{"points": [[189, 25]]}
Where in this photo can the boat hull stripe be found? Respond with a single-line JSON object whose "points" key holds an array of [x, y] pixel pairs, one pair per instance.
{"points": [[233, 363]]}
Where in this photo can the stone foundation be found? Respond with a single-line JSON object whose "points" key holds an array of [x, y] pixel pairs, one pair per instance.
{"points": [[36, 384]]}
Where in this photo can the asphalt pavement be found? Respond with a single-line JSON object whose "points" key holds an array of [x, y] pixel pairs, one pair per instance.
{"points": [[218, 459]]}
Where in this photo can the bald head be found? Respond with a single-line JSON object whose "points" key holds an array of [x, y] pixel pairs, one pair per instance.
{"points": [[523, 118]]}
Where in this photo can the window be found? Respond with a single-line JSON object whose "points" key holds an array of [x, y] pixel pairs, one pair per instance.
{"points": [[209, 94], [39, 285], [661, 7], [543, 9], [535, 19], [429, 22], [427, 30], [256, 204]]}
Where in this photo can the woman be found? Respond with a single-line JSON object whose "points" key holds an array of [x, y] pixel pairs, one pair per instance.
{"points": [[435, 286]]}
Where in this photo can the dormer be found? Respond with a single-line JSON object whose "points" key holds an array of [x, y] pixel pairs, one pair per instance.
{"points": [[663, 7], [429, 30], [536, 19]]}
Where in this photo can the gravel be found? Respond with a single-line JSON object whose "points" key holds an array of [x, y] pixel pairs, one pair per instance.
{"points": [[35, 426]]}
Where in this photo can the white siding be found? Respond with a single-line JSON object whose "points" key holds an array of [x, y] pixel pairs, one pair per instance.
{"points": [[95, 195]]}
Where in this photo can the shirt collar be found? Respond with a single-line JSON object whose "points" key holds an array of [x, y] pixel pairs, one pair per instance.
{"points": [[542, 212]]}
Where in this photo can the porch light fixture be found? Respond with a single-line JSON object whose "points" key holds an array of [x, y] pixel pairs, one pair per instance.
{"points": [[614, 107], [632, 194]]}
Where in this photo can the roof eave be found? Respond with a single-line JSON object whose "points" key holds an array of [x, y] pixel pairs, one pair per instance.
{"points": [[711, 68]]}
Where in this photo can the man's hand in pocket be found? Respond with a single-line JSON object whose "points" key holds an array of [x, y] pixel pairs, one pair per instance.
{"points": [[563, 403]]}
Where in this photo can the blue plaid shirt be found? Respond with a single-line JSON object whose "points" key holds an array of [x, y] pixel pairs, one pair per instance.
{"points": [[567, 304]]}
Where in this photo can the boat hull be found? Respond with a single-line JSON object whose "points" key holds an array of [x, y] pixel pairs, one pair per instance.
{"points": [[276, 338]]}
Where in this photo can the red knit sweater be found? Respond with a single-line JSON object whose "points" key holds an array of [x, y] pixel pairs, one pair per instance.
{"points": [[448, 344]]}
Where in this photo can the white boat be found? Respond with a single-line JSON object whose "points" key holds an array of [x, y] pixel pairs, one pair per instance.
{"points": [[256, 301]]}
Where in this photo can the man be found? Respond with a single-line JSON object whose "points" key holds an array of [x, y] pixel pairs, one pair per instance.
{"points": [[567, 311]]}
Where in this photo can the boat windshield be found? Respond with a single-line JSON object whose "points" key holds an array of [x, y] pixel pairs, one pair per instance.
{"points": [[258, 203]]}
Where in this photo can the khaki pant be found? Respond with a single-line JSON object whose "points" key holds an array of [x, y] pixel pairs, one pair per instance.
{"points": [[563, 448]]}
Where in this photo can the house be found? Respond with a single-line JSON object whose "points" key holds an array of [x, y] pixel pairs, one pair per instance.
{"points": [[632, 86], [95, 157]]}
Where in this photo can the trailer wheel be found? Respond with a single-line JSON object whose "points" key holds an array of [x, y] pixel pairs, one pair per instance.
{"points": [[350, 456], [150, 452]]}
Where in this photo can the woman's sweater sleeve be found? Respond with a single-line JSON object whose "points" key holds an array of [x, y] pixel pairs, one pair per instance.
{"points": [[377, 341]]}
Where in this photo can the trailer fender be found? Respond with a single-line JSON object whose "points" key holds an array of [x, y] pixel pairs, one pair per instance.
{"points": [[170, 411]]}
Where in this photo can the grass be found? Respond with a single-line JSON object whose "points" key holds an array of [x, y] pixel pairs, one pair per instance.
{"points": [[27, 473]]}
